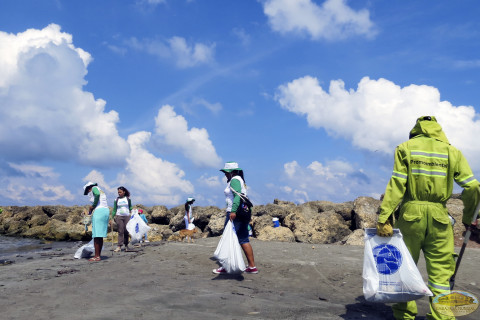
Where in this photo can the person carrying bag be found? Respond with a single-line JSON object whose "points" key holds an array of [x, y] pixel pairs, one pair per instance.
{"points": [[239, 215]]}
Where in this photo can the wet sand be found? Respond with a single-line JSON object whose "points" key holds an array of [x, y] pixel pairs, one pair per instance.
{"points": [[174, 280]]}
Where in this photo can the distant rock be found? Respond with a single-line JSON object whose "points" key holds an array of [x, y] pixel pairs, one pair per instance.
{"points": [[161, 215], [365, 211], [259, 223], [159, 232], [455, 209], [204, 214], [279, 211], [356, 238], [270, 233], [310, 226], [311, 222], [215, 224]]}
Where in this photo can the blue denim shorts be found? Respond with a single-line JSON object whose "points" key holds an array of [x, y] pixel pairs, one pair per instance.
{"points": [[241, 228]]}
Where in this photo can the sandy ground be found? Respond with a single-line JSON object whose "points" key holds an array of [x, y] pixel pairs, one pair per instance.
{"points": [[174, 280]]}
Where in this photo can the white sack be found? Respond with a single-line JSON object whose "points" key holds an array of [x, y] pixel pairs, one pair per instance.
{"points": [[136, 227], [389, 273], [85, 251], [229, 252]]}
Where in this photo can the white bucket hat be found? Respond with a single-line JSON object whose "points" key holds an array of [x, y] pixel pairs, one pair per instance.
{"points": [[190, 199], [85, 187], [231, 166]]}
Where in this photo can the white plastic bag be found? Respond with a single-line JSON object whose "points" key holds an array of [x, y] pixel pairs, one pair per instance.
{"points": [[85, 251], [136, 227], [389, 272], [229, 252]]}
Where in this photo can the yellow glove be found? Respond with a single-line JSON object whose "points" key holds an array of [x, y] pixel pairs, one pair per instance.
{"points": [[384, 229]]}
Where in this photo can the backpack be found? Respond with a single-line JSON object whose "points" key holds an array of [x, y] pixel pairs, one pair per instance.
{"points": [[245, 207]]}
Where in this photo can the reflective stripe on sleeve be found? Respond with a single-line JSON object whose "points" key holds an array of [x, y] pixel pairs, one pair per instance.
{"points": [[399, 175], [466, 181]]}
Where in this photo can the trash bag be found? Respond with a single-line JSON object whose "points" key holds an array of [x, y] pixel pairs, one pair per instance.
{"points": [[85, 251], [136, 227], [229, 252], [389, 272]]}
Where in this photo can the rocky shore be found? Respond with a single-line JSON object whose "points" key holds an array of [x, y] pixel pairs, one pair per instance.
{"points": [[316, 222], [174, 280], [303, 271]]}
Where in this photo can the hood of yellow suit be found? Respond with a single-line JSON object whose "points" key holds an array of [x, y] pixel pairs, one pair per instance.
{"points": [[429, 128]]}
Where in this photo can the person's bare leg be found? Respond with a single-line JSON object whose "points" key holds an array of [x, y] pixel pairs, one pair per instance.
{"points": [[248, 250], [98, 244]]}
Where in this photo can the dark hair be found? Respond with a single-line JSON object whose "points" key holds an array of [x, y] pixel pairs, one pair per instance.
{"points": [[127, 193], [238, 173]]}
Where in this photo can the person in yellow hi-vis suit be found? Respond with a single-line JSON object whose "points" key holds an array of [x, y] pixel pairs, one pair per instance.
{"points": [[422, 181]]}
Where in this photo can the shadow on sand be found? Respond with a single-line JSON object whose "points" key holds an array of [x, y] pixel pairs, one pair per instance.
{"points": [[367, 310]]}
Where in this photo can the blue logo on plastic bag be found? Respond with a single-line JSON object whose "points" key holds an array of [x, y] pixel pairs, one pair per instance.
{"points": [[388, 258], [137, 228]]}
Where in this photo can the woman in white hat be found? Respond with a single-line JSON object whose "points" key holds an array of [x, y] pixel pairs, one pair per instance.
{"points": [[236, 181], [101, 212], [188, 218]]}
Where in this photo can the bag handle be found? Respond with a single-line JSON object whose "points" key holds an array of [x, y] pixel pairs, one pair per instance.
{"points": [[243, 197]]}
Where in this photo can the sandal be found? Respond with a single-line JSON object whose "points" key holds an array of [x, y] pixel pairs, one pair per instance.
{"points": [[94, 259], [118, 249]]}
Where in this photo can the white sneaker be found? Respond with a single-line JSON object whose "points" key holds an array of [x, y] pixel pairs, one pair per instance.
{"points": [[146, 241]]}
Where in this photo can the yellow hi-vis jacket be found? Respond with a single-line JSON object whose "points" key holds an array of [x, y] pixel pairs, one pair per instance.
{"points": [[424, 170]]}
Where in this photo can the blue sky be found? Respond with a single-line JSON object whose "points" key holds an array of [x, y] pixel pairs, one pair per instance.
{"points": [[310, 97]]}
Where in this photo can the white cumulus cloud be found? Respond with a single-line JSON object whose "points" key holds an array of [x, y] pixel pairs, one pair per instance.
{"points": [[185, 55], [194, 143], [211, 182], [336, 180], [334, 19], [45, 113], [30, 183], [379, 114], [97, 177], [151, 179]]}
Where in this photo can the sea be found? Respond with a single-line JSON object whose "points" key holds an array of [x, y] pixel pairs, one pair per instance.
{"points": [[12, 246]]}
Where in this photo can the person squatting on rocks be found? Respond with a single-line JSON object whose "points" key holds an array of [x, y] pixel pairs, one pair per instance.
{"points": [[188, 218], [122, 207], [101, 212], [422, 181], [236, 181]]}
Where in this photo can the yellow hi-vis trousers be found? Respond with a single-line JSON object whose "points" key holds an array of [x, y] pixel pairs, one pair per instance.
{"points": [[426, 226]]}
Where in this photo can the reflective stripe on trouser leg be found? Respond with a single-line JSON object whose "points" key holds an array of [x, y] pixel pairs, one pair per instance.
{"points": [[438, 252], [413, 231]]}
